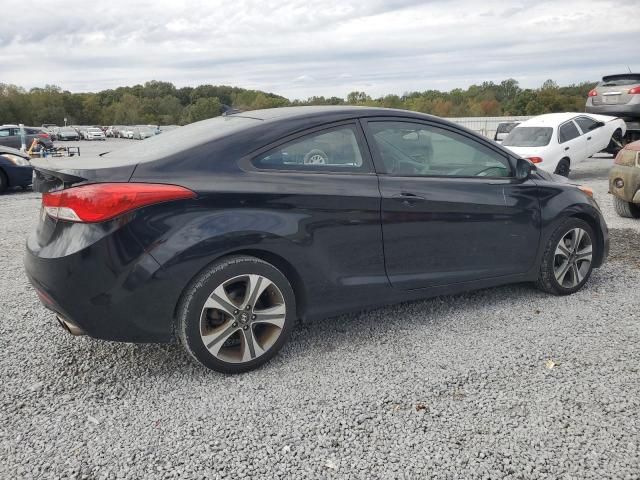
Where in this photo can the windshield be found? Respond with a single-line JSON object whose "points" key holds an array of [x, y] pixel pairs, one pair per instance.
{"points": [[620, 80], [94, 130], [528, 137], [67, 129]]}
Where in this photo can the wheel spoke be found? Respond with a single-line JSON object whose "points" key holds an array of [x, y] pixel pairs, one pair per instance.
{"points": [[577, 238], [219, 300], [216, 339], [274, 316], [575, 271], [561, 272], [585, 254], [562, 250], [256, 284], [250, 347]]}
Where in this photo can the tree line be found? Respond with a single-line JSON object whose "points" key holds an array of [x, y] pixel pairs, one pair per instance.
{"points": [[162, 103]]}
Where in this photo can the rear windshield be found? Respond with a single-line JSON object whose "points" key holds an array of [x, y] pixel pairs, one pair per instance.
{"points": [[528, 137], [620, 80], [180, 139]]}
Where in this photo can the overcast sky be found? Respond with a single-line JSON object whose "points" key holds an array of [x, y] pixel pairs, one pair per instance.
{"points": [[299, 48]]}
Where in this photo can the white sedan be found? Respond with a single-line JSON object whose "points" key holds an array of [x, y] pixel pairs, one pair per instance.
{"points": [[93, 133], [556, 141]]}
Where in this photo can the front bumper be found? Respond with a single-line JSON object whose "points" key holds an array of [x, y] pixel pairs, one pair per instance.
{"points": [[630, 191]]}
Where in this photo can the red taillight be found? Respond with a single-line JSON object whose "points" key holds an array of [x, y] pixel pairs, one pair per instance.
{"points": [[103, 201], [535, 159], [43, 135], [593, 93], [634, 91]]}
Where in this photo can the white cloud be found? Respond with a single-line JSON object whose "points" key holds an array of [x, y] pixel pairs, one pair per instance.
{"points": [[300, 48]]}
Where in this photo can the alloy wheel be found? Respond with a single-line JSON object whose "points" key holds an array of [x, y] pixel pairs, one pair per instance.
{"points": [[242, 318], [572, 260]]}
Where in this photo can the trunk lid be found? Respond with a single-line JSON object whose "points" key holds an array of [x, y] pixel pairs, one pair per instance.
{"points": [[56, 173]]}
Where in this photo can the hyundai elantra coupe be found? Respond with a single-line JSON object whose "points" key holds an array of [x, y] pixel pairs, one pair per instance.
{"points": [[223, 233]]}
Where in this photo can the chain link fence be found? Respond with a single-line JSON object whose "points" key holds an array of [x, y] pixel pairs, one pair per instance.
{"points": [[486, 126]]}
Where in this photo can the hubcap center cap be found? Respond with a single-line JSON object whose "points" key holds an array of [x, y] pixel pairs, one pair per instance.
{"points": [[243, 317]]}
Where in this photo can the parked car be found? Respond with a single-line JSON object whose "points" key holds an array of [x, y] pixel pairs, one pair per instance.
{"points": [[67, 133], [140, 133], [125, 132], [109, 131], [624, 181], [504, 128], [51, 131], [556, 141], [10, 137], [15, 169], [93, 133], [226, 231], [617, 95]]}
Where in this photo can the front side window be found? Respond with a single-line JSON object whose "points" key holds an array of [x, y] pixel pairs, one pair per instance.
{"points": [[586, 124], [568, 131], [414, 149], [334, 150]]}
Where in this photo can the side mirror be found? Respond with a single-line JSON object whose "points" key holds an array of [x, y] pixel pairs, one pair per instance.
{"points": [[524, 169]]}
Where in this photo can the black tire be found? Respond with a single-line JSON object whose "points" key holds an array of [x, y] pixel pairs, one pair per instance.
{"points": [[192, 318], [626, 209], [547, 281], [4, 182], [563, 168], [615, 144]]}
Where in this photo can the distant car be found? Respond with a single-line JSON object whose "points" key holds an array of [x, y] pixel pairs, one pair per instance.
{"points": [[10, 137], [125, 132], [624, 181], [617, 95], [93, 133], [15, 169], [51, 131], [108, 131], [67, 133], [556, 141], [140, 133], [504, 128]]}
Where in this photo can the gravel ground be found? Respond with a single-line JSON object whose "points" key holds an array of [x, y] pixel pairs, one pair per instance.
{"points": [[499, 383]]}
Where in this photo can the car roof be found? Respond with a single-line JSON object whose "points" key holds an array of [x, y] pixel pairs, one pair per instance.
{"points": [[319, 111], [555, 119]]}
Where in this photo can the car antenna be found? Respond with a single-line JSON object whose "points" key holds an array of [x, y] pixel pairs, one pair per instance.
{"points": [[628, 68]]}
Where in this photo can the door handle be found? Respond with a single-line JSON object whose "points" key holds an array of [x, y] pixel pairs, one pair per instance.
{"points": [[566, 148], [408, 198], [588, 138]]}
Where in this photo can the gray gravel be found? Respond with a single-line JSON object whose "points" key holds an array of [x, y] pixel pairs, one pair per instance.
{"points": [[500, 383]]}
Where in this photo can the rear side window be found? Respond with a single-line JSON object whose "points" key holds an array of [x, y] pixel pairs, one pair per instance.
{"points": [[586, 124], [568, 131], [5, 132], [335, 150]]}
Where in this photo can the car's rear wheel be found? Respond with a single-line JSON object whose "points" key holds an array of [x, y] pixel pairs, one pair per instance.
{"points": [[616, 143], [563, 168], [626, 209], [237, 314], [567, 261]]}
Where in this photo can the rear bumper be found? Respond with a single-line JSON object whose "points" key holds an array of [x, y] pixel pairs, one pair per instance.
{"points": [[629, 110], [108, 288]]}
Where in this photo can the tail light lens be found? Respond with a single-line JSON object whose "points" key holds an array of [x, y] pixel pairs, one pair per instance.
{"points": [[103, 201], [634, 91], [593, 93], [535, 159], [43, 135]]}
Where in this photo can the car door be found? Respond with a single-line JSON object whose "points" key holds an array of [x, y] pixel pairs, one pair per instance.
{"points": [[572, 142], [5, 137], [452, 210], [597, 136]]}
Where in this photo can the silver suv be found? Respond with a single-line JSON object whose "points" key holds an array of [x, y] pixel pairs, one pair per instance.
{"points": [[617, 95]]}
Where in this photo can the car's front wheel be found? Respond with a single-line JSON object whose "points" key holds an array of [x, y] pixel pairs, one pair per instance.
{"points": [[626, 209], [568, 257], [237, 314]]}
